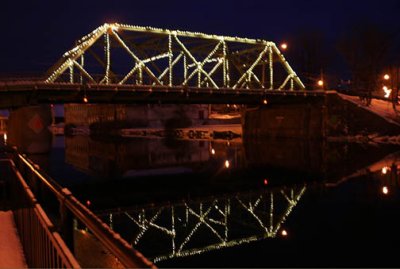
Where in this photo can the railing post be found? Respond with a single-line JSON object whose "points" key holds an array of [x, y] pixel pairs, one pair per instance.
{"points": [[66, 227]]}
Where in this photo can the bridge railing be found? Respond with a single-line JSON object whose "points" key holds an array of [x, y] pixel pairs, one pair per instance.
{"points": [[67, 213], [42, 244]]}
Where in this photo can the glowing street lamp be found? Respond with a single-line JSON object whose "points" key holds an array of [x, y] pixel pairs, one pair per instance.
{"points": [[320, 83], [386, 77], [387, 91]]}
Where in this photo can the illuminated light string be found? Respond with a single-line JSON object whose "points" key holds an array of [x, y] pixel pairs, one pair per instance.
{"points": [[88, 40], [107, 53]]}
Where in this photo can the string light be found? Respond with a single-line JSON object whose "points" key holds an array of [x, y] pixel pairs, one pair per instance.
{"points": [[247, 79]]}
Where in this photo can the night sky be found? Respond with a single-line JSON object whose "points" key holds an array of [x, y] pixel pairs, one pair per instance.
{"points": [[36, 33]]}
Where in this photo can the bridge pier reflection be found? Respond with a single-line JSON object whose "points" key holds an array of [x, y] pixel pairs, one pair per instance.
{"points": [[28, 129]]}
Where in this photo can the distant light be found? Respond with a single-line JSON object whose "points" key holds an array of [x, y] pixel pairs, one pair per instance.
{"points": [[385, 190], [83, 231], [265, 181], [284, 46], [88, 203], [284, 233], [320, 82], [387, 91], [227, 164], [213, 151], [386, 77], [384, 170], [85, 100], [265, 101], [5, 138]]}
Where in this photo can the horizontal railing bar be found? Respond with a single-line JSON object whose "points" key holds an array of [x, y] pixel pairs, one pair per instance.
{"points": [[128, 256]]}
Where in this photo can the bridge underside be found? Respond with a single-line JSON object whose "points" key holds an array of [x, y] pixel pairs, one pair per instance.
{"points": [[17, 95]]}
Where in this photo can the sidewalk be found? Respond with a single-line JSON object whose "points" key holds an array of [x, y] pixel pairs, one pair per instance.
{"points": [[11, 253], [379, 107]]}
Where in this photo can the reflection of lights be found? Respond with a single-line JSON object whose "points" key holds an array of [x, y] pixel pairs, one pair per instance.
{"points": [[284, 233], [227, 164], [265, 181], [212, 151], [384, 170], [385, 190]]}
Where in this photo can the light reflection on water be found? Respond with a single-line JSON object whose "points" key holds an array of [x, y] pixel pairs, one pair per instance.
{"points": [[174, 199]]}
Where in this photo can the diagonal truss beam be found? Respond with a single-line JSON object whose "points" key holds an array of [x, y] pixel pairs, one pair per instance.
{"points": [[176, 46]]}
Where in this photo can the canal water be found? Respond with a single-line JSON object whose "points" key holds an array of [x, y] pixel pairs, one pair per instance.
{"points": [[262, 203]]}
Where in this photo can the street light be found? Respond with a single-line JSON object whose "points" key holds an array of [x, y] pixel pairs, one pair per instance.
{"points": [[387, 91], [320, 83], [386, 77], [284, 46]]}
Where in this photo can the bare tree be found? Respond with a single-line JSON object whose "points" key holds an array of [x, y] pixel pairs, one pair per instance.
{"points": [[365, 48], [310, 55]]}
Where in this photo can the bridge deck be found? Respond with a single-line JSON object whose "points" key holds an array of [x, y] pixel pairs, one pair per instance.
{"points": [[31, 93]]}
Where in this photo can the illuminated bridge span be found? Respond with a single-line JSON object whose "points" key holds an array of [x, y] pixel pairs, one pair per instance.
{"points": [[194, 227], [124, 63]]}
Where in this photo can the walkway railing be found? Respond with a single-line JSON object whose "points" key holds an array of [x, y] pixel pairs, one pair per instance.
{"points": [[66, 211], [42, 245]]}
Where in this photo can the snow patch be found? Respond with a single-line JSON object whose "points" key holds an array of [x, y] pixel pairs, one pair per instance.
{"points": [[11, 253], [381, 108]]}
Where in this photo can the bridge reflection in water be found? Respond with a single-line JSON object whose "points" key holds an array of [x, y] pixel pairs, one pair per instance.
{"points": [[192, 227], [177, 198]]}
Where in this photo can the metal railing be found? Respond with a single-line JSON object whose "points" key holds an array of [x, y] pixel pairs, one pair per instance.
{"points": [[67, 210], [42, 245]]}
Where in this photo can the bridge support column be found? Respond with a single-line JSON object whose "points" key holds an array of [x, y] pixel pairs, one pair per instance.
{"points": [[294, 120], [28, 129]]}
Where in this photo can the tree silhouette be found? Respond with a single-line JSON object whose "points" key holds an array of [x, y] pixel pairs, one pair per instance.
{"points": [[365, 48]]}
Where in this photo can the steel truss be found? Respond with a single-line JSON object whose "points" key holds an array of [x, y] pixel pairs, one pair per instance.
{"points": [[225, 222], [133, 55]]}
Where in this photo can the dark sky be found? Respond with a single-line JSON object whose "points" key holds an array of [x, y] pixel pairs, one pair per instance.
{"points": [[36, 33]]}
